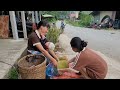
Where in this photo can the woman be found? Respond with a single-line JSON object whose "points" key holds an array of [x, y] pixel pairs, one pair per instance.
{"points": [[87, 62], [37, 43]]}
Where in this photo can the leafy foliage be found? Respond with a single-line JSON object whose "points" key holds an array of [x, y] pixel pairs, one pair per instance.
{"points": [[13, 74], [56, 14], [84, 20], [53, 34]]}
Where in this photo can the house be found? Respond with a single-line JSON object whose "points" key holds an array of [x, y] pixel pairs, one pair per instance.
{"points": [[73, 15], [98, 15], [9, 19]]}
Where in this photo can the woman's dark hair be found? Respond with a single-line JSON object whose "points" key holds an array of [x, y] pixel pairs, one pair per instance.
{"points": [[76, 42], [43, 23]]}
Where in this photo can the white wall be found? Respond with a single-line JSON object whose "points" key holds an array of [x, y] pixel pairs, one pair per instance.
{"points": [[103, 13], [77, 14]]}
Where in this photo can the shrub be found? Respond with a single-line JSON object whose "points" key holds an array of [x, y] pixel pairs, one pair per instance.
{"points": [[85, 19], [51, 20], [13, 74], [53, 34]]}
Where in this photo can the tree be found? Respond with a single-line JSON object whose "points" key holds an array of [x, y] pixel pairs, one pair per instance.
{"points": [[85, 19], [56, 14]]}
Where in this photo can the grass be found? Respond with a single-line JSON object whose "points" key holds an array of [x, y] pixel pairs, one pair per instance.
{"points": [[13, 74]]}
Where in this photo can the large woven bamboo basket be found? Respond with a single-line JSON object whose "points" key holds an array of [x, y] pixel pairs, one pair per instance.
{"points": [[27, 71]]}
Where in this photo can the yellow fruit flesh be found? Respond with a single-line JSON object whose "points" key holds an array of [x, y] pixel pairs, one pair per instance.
{"points": [[62, 64]]}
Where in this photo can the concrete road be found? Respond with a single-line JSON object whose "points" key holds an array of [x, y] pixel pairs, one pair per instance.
{"points": [[105, 41]]}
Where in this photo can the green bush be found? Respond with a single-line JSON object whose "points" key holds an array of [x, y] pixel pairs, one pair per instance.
{"points": [[51, 20], [53, 34], [13, 74], [85, 20]]}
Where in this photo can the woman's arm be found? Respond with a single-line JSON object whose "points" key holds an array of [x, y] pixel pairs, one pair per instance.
{"points": [[51, 47], [73, 70], [53, 54], [68, 70], [44, 52], [72, 60]]}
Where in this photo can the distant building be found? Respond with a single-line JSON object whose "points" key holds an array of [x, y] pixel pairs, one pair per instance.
{"points": [[16, 22], [98, 15], [74, 14]]}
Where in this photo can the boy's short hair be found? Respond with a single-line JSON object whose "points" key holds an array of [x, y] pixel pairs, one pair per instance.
{"points": [[50, 45]]}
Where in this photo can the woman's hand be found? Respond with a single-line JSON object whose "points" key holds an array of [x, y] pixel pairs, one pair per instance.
{"points": [[57, 59], [55, 63]]}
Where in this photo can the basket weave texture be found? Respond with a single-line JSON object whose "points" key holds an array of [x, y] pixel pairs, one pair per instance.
{"points": [[30, 71]]}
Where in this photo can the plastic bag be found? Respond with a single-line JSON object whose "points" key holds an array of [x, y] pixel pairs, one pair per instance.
{"points": [[51, 70]]}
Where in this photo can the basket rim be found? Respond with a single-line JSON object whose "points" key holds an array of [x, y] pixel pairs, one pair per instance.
{"points": [[33, 65]]}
